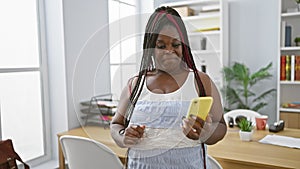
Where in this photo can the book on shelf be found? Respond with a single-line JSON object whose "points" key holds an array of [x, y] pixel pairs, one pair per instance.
{"points": [[297, 68], [288, 36], [283, 24], [290, 68], [208, 29], [282, 68], [294, 105]]}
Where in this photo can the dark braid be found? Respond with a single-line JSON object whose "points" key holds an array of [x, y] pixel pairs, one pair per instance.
{"points": [[161, 17]]}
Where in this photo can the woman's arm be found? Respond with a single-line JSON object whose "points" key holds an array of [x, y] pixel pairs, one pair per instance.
{"points": [[131, 134], [217, 129], [214, 128]]}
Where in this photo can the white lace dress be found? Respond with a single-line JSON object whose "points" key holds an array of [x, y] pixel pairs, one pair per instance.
{"points": [[164, 146]]}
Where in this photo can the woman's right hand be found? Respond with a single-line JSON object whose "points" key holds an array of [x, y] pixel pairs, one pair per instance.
{"points": [[133, 134]]}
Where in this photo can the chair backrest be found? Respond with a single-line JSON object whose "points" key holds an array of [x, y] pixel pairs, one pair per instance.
{"points": [[81, 152], [214, 163], [250, 114]]}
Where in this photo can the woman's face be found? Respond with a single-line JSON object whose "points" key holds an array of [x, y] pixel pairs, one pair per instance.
{"points": [[168, 50]]}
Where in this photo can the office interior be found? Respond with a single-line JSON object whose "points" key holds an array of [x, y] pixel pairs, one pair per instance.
{"points": [[76, 73]]}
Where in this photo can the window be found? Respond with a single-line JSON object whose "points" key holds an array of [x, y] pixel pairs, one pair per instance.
{"points": [[123, 37], [22, 79]]}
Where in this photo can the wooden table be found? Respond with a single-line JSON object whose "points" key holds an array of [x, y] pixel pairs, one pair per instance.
{"points": [[97, 133], [231, 152]]}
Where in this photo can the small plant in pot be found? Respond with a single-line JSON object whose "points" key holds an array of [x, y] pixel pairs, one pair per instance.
{"points": [[246, 131], [297, 41]]}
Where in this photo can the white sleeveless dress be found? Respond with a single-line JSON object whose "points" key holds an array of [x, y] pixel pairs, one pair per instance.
{"points": [[164, 146]]}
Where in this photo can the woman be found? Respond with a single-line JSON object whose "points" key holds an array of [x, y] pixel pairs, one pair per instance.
{"points": [[150, 118]]}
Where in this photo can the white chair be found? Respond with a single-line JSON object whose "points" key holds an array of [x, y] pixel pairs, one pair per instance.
{"points": [[214, 163], [250, 114], [81, 152]]}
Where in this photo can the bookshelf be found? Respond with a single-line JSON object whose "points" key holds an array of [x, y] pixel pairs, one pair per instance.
{"points": [[288, 94], [210, 22]]}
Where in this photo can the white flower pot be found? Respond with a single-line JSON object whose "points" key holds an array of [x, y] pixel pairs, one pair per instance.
{"points": [[245, 135]]}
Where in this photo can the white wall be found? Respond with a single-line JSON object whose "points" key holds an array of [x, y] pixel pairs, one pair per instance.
{"points": [[57, 69], [253, 40], [86, 47], [77, 44]]}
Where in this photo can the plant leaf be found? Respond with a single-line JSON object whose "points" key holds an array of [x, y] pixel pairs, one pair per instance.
{"points": [[259, 106], [261, 74], [245, 125], [264, 95], [241, 72], [238, 81], [232, 97]]}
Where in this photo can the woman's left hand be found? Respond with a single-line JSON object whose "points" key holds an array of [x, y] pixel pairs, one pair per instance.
{"points": [[194, 127]]}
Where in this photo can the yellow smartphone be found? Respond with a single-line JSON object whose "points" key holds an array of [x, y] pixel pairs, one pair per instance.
{"points": [[200, 107]]}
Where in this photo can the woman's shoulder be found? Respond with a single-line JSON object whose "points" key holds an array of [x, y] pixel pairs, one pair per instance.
{"points": [[132, 82], [203, 76]]}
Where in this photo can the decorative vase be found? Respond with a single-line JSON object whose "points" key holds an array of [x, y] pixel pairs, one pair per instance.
{"points": [[246, 135]]}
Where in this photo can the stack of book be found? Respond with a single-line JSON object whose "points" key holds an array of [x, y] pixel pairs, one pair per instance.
{"points": [[295, 105], [290, 68]]}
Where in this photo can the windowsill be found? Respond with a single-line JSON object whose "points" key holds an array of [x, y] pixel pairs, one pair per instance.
{"points": [[52, 164]]}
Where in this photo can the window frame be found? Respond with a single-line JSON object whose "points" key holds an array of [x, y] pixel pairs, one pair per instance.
{"points": [[122, 64], [43, 70]]}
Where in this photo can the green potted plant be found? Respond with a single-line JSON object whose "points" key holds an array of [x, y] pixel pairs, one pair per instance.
{"points": [[246, 131], [238, 90], [297, 41]]}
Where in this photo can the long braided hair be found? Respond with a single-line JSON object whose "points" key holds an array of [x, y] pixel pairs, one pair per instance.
{"points": [[161, 17]]}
